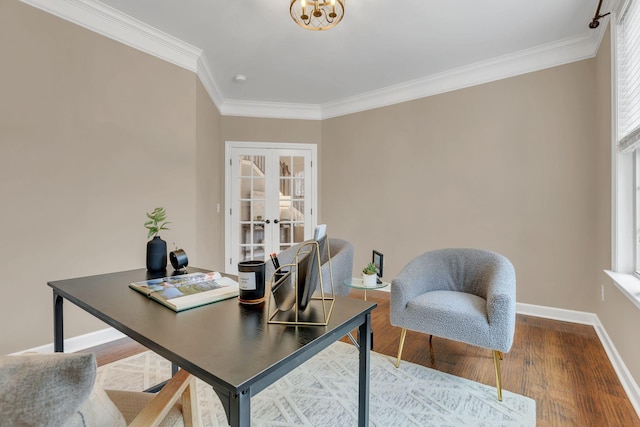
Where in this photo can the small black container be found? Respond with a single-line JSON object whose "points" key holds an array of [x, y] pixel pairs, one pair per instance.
{"points": [[178, 259], [251, 280]]}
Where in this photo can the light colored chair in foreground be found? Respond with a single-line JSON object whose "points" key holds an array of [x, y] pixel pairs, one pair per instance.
{"points": [[341, 264], [466, 295], [59, 390]]}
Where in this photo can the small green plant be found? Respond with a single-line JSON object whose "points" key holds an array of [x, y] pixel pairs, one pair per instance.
{"points": [[156, 222], [369, 269]]}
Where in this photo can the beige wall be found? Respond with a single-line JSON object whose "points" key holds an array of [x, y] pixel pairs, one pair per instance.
{"points": [[270, 130], [93, 134], [209, 185], [506, 166]]}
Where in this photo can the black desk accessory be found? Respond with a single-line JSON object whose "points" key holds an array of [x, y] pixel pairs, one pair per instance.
{"points": [[305, 273], [178, 259]]}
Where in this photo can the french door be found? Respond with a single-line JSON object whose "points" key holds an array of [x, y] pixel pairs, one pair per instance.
{"points": [[270, 199]]}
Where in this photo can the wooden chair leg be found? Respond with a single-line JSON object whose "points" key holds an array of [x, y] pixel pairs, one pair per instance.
{"points": [[155, 411], [497, 355], [190, 409], [403, 335]]}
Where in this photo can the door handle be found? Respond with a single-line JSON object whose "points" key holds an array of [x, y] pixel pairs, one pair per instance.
{"points": [[267, 221], [275, 221]]}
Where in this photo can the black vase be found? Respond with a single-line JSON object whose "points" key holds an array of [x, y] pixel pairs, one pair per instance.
{"points": [[156, 254]]}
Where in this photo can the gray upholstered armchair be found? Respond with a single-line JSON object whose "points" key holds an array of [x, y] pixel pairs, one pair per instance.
{"points": [[341, 264], [466, 295]]}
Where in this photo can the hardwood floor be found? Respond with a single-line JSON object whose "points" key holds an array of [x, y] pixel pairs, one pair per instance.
{"points": [[562, 366]]}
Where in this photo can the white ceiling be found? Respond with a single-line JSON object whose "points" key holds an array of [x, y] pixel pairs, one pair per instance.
{"points": [[382, 52]]}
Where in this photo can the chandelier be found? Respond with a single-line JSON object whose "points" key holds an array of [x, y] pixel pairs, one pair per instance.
{"points": [[317, 15]]}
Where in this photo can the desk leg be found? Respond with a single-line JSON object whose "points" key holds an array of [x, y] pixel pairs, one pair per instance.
{"points": [[237, 407], [58, 331], [364, 335], [241, 409]]}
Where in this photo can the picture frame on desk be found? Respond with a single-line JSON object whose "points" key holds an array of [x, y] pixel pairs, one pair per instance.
{"points": [[377, 258]]}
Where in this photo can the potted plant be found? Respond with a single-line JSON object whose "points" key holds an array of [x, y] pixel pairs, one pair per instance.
{"points": [[156, 247], [369, 275]]}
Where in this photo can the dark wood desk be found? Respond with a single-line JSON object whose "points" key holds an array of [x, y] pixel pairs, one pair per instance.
{"points": [[228, 345]]}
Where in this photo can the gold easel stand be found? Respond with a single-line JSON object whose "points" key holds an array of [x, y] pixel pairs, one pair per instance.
{"points": [[305, 318]]}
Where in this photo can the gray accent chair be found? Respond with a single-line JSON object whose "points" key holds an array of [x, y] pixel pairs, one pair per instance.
{"points": [[466, 295], [341, 264]]}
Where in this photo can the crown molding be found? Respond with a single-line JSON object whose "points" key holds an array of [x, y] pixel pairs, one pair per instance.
{"points": [[206, 78], [271, 110], [522, 62], [111, 23]]}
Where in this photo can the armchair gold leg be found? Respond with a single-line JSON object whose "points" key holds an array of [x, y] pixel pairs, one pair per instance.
{"points": [[497, 355], [403, 335], [432, 356]]}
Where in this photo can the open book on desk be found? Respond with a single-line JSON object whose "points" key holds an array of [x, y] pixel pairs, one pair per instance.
{"points": [[188, 290]]}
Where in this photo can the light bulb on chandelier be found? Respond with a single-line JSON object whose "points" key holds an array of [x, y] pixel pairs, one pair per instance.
{"points": [[321, 15]]}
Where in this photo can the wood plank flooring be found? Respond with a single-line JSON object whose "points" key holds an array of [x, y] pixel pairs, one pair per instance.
{"points": [[563, 366]]}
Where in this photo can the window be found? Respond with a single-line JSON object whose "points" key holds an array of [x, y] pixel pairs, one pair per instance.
{"points": [[627, 61], [628, 65]]}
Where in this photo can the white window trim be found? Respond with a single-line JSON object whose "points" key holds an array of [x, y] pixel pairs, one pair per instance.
{"points": [[622, 194]]}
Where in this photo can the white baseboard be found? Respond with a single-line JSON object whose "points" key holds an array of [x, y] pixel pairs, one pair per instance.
{"points": [[628, 382], [81, 342], [553, 313]]}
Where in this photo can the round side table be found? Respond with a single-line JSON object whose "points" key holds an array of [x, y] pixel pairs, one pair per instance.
{"points": [[356, 283]]}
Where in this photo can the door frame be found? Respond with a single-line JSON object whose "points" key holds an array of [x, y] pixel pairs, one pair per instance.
{"points": [[228, 147]]}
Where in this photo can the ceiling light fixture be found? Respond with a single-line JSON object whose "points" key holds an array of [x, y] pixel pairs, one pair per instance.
{"points": [[240, 78], [317, 15]]}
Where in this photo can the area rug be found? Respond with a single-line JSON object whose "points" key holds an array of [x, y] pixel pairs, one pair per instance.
{"points": [[324, 392]]}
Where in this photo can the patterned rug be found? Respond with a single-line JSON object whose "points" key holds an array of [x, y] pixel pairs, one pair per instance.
{"points": [[324, 392]]}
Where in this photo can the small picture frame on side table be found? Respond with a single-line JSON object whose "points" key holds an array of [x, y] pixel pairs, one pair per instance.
{"points": [[378, 260]]}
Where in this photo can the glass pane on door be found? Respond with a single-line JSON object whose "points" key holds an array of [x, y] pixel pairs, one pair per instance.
{"points": [[252, 207], [292, 198]]}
